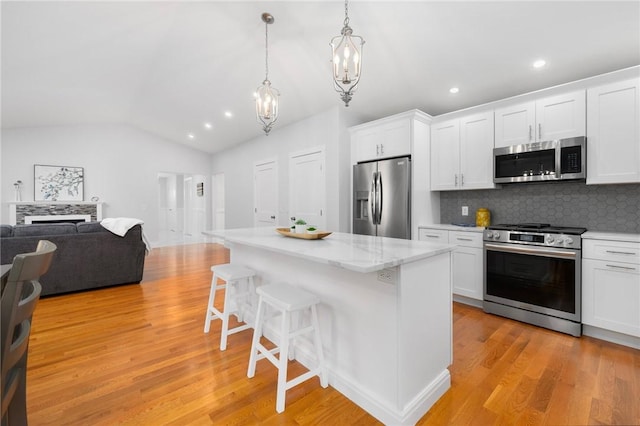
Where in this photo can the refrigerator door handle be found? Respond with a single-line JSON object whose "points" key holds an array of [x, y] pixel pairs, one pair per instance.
{"points": [[379, 195], [372, 198]]}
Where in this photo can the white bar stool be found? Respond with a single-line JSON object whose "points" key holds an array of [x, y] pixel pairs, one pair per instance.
{"points": [[236, 299], [285, 299]]}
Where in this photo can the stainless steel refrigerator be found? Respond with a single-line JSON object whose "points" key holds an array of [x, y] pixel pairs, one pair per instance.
{"points": [[382, 198]]}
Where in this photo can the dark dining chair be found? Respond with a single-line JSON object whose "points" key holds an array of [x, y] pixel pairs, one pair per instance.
{"points": [[19, 298]]}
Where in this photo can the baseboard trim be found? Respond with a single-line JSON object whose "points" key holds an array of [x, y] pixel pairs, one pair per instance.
{"points": [[611, 336]]}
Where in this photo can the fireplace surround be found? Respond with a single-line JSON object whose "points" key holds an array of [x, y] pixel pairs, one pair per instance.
{"points": [[25, 212]]}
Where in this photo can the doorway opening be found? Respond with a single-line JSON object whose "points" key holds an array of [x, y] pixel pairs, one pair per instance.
{"points": [[181, 208]]}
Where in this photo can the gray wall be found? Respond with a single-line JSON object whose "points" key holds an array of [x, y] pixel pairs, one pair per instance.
{"points": [[614, 208]]}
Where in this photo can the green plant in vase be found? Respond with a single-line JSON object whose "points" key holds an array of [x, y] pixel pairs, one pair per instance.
{"points": [[301, 226]]}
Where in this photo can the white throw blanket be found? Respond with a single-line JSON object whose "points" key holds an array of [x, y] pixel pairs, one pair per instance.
{"points": [[120, 226]]}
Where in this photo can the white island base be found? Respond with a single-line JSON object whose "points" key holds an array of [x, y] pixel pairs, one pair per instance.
{"points": [[387, 344]]}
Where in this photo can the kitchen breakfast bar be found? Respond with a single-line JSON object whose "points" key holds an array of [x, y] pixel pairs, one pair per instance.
{"points": [[385, 312]]}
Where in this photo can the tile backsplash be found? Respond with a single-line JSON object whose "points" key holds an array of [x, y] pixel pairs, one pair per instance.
{"points": [[613, 208]]}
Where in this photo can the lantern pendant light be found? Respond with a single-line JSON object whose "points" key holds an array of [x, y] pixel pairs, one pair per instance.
{"points": [[266, 96], [346, 59]]}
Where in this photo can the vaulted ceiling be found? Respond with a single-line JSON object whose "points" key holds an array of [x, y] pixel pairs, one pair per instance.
{"points": [[169, 67]]}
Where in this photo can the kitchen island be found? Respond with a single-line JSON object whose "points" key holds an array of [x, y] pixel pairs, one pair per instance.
{"points": [[385, 312]]}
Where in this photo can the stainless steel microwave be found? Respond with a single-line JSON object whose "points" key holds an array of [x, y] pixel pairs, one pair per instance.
{"points": [[561, 159]]}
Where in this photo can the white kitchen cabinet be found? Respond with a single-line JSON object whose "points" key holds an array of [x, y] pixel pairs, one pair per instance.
{"points": [[445, 155], [387, 139], [462, 153], [554, 117], [467, 264], [434, 235], [611, 286], [467, 267], [613, 133]]}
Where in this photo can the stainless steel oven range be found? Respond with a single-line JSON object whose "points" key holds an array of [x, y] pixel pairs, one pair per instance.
{"points": [[533, 274]]}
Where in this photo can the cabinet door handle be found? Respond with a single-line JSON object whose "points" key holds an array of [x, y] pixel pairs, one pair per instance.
{"points": [[621, 252], [377, 149], [432, 236], [530, 133], [621, 267], [381, 149], [463, 239], [539, 131], [461, 179], [456, 180]]}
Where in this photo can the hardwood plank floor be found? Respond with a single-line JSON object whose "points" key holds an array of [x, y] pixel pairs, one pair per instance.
{"points": [[137, 354]]}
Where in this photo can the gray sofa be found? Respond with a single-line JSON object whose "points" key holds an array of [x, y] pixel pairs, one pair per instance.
{"points": [[88, 255]]}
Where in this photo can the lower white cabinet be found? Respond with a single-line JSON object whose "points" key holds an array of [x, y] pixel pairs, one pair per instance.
{"points": [[467, 267], [434, 235], [611, 286]]}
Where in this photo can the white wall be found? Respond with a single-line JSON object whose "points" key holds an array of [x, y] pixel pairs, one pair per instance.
{"points": [[121, 166], [327, 129]]}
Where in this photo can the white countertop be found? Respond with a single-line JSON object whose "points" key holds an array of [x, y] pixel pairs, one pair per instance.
{"points": [[450, 227], [360, 253], [613, 236]]}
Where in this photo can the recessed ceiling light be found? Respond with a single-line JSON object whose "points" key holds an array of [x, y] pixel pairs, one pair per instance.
{"points": [[539, 63], [208, 126], [191, 136], [228, 114], [454, 90]]}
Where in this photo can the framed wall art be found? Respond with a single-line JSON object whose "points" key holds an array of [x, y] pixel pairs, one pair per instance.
{"points": [[58, 183]]}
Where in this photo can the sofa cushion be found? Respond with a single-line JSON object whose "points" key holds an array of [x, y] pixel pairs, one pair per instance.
{"points": [[88, 227], [6, 231], [37, 229]]}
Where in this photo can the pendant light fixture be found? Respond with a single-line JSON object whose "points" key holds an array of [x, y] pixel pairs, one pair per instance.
{"points": [[266, 96], [347, 59]]}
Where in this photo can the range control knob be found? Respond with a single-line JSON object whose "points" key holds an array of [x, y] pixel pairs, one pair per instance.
{"points": [[549, 239], [496, 235], [567, 241]]}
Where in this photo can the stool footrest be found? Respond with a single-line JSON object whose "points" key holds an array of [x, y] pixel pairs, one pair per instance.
{"points": [[301, 378], [267, 353], [239, 328]]}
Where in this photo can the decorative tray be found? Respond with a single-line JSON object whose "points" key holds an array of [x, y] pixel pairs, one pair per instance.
{"points": [[317, 235]]}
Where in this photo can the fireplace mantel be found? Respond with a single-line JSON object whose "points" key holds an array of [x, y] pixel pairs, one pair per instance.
{"points": [[19, 209]]}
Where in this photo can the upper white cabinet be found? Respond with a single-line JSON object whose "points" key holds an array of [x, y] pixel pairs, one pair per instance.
{"points": [[462, 153], [387, 139], [555, 117], [613, 133], [445, 155]]}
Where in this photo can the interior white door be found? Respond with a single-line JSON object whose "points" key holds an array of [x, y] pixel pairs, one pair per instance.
{"points": [[218, 201], [307, 187], [189, 209], [265, 193]]}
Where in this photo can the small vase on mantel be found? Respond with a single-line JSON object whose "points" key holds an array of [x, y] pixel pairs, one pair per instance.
{"points": [[18, 188]]}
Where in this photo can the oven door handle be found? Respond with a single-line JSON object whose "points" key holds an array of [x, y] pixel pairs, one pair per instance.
{"points": [[539, 251]]}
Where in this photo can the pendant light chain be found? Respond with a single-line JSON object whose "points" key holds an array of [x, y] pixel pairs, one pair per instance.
{"points": [[346, 13], [266, 49]]}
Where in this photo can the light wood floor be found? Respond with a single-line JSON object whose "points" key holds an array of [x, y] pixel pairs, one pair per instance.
{"points": [[137, 354]]}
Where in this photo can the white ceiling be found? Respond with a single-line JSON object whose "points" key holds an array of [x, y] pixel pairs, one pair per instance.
{"points": [[168, 67]]}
